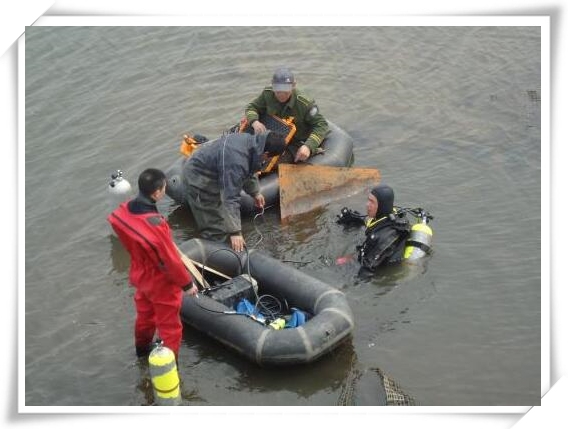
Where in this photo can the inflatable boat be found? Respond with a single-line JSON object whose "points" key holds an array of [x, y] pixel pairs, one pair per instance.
{"points": [[272, 331], [337, 151]]}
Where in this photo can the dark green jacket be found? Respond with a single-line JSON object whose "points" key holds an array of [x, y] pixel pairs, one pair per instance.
{"points": [[311, 126]]}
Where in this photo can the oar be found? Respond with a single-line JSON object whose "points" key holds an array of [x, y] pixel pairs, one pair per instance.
{"points": [[193, 269], [211, 270]]}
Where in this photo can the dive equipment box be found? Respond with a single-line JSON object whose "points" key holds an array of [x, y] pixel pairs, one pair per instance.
{"points": [[233, 290]]}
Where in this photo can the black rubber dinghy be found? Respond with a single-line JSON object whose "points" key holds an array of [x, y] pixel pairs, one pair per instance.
{"points": [[330, 322], [337, 152]]}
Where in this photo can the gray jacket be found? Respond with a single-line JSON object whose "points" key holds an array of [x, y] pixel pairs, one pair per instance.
{"points": [[225, 166]]}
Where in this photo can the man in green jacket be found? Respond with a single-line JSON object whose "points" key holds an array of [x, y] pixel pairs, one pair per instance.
{"points": [[283, 100]]}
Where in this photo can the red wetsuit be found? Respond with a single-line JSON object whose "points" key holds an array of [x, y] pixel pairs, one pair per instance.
{"points": [[157, 273]]}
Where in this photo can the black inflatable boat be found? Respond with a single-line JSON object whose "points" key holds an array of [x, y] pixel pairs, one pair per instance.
{"points": [[337, 152], [329, 321]]}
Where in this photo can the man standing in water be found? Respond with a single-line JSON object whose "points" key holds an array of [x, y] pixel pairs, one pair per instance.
{"points": [[156, 269]]}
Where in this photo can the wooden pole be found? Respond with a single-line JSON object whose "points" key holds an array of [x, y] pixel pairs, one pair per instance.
{"points": [[211, 270], [193, 269]]}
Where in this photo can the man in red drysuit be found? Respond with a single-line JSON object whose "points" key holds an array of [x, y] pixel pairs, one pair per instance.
{"points": [[156, 269]]}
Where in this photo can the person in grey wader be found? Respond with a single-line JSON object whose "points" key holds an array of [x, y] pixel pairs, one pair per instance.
{"points": [[216, 173]]}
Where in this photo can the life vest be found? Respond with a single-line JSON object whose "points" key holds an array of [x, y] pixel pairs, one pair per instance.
{"points": [[187, 146], [190, 143]]}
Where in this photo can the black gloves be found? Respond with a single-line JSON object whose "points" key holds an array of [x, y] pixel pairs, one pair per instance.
{"points": [[350, 217]]}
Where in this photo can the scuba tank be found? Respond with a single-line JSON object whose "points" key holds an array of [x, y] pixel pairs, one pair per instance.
{"points": [[164, 375], [119, 189], [419, 243]]}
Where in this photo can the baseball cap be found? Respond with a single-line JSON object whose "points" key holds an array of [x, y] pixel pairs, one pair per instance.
{"points": [[283, 80]]}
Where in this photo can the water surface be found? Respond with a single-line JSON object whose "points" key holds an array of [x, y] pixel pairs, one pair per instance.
{"points": [[449, 115]]}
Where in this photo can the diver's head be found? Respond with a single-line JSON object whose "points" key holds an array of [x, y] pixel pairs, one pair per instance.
{"points": [[380, 201]]}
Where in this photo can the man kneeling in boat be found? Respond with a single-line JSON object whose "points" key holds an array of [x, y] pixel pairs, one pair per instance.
{"points": [[284, 100], [386, 230], [215, 175]]}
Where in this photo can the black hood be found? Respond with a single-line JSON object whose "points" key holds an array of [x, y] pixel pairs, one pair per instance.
{"points": [[385, 197]]}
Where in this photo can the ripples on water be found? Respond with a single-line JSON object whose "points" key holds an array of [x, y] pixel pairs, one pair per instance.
{"points": [[451, 117]]}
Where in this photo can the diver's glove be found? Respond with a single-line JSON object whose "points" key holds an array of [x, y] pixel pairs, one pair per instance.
{"points": [[350, 217]]}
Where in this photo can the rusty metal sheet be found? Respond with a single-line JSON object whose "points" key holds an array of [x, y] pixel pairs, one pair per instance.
{"points": [[305, 187]]}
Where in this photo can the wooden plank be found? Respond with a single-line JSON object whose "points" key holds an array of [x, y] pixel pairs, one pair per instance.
{"points": [[303, 187], [193, 270], [211, 270]]}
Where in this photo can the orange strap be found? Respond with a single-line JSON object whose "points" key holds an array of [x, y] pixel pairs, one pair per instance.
{"points": [[188, 145]]}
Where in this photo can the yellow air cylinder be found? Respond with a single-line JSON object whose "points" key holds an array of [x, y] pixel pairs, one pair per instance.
{"points": [[164, 375], [419, 243]]}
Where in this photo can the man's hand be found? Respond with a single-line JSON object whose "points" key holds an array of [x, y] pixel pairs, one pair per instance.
{"points": [[192, 291], [237, 242], [258, 127], [259, 201], [302, 154]]}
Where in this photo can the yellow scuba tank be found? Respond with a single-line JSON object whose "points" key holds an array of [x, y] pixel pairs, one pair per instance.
{"points": [[164, 375], [419, 243]]}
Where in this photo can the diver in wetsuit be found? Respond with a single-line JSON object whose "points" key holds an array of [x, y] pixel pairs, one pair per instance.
{"points": [[386, 230]]}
